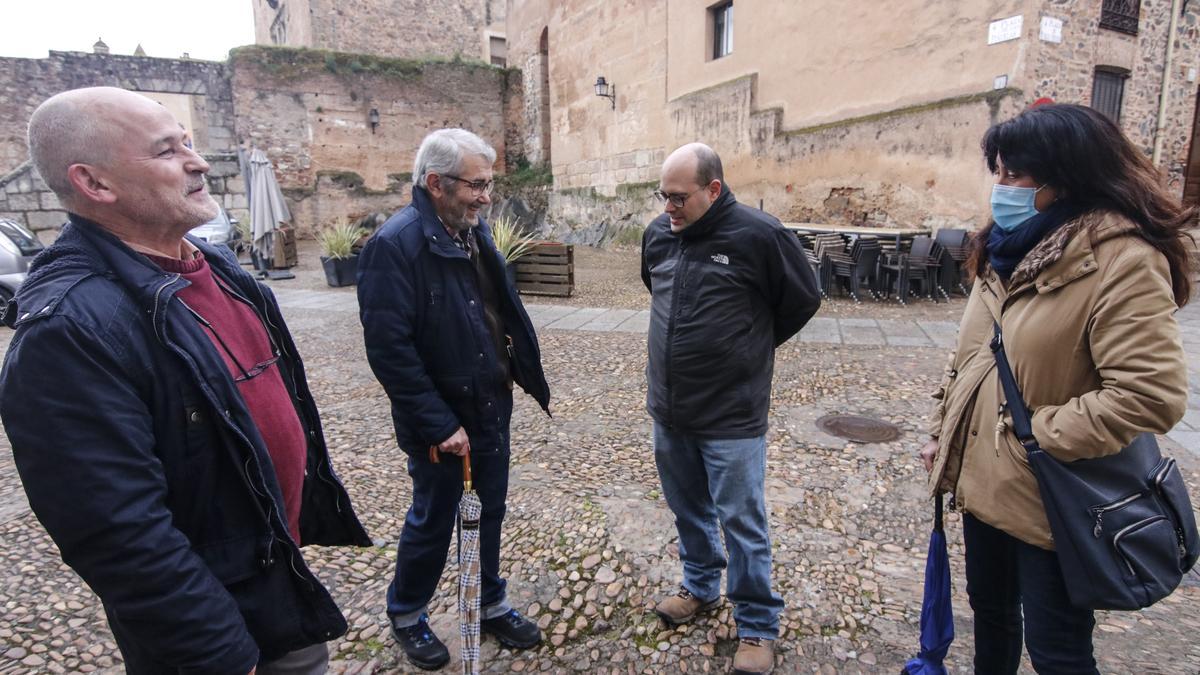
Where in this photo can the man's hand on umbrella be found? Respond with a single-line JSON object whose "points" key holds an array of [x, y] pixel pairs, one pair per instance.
{"points": [[457, 444]]}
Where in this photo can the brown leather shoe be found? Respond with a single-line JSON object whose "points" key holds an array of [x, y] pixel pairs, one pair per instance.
{"points": [[683, 607], [755, 656]]}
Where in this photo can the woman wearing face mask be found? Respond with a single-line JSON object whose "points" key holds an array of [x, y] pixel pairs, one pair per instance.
{"points": [[1083, 267]]}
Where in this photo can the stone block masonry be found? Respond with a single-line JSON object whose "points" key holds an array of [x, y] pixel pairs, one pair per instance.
{"points": [[201, 88], [309, 110]]}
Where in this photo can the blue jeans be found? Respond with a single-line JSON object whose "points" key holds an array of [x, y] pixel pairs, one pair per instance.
{"points": [[425, 539], [720, 481], [1007, 578]]}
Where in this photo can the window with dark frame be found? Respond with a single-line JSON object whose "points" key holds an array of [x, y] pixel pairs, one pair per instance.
{"points": [[1108, 90], [722, 29], [1120, 15], [498, 51]]}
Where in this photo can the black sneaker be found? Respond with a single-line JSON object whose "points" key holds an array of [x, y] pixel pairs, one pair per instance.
{"points": [[423, 648], [513, 630]]}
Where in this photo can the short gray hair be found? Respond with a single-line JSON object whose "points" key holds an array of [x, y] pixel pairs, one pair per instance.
{"points": [[66, 129], [442, 152]]}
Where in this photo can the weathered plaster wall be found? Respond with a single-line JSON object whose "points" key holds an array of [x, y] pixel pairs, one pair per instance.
{"points": [[842, 112]]}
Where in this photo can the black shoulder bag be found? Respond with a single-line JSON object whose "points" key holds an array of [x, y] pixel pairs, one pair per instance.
{"points": [[1122, 524]]}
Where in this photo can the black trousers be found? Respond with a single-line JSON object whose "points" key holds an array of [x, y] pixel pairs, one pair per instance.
{"points": [[1008, 578]]}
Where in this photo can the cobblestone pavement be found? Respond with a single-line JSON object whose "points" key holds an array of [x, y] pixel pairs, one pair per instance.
{"points": [[589, 543]]}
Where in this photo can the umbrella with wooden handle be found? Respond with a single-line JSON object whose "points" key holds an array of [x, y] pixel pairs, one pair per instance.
{"points": [[469, 511]]}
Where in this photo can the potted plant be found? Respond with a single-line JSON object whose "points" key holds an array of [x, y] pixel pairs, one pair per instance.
{"points": [[512, 244], [340, 260]]}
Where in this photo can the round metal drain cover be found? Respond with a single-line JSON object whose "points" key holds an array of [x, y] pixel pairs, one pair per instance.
{"points": [[858, 429]]}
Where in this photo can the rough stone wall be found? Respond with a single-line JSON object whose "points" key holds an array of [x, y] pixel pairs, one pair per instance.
{"points": [[308, 110], [1065, 72], [389, 28], [25, 83], [25, 198]]}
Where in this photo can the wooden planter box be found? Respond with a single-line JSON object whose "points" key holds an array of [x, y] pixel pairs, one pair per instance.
{"points": [[548, 269], [285, 248]]}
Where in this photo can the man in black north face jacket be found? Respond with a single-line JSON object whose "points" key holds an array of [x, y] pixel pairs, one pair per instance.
{"points": [[728, 285]]}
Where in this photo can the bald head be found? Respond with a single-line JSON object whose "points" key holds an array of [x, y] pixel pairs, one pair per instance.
{"points": [[691, 181], [701, 160], [80, 126]]}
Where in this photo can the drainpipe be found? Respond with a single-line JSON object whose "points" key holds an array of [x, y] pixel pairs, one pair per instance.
{"points": [[1166, 83]]}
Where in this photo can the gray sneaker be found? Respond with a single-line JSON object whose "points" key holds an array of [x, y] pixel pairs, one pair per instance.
{"points": [[683, 607]]}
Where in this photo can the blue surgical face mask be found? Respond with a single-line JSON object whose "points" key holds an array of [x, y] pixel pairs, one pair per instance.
{"points": [[1012, 206]]}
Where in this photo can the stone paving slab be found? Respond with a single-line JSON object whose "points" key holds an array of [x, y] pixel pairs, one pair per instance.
{"points": [[609, 320], [577, 319], [822, 330], [638, 323], [861, 332]]}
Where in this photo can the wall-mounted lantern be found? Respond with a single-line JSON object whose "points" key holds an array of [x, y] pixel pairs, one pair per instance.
{"points": [[605, 90], [373, 119]]}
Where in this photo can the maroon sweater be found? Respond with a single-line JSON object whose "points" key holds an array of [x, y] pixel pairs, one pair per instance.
{"points": [[265, 394]]}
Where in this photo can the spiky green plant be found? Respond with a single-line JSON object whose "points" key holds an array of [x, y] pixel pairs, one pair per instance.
{"points": [[510, 241], [338, 240]]}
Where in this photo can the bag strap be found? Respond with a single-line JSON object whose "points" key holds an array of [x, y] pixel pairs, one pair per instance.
{"points": [[1022, 423]]}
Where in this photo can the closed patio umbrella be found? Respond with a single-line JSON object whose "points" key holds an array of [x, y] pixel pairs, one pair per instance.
{"points": [[268, 210]]}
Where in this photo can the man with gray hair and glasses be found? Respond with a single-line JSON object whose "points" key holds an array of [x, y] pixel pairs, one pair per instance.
{"points": [[447, 337]]}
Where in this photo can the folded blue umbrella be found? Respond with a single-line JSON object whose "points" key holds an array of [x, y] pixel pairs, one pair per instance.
{"points": [[937, 612]]}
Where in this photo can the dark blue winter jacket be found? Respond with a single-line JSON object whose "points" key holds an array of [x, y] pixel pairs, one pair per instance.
{"points": [[427, 339], [141, 459]]}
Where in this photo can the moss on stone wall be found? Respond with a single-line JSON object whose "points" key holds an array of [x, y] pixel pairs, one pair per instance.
{"points": [[525, 175], [288, 63]]}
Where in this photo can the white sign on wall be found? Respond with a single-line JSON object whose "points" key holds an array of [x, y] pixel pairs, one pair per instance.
{"points": [[1051, 29], [1003, 30]]}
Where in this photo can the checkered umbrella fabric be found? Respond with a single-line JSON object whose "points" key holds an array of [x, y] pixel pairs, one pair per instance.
{"points": [[469, 510]]}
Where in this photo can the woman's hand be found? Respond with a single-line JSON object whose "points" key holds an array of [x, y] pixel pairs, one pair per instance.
{"points": [[928, 452]]}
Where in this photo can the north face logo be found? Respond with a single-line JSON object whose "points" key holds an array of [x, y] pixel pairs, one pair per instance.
{"points": [[721, 258]]}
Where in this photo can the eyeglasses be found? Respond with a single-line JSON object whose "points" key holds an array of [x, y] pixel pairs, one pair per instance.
{"points": [[677, 199], [478, 187], [258, 368]]}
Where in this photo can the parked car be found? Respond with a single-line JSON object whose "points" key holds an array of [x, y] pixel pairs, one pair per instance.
{"points": [[220, 230], [18, 246]]}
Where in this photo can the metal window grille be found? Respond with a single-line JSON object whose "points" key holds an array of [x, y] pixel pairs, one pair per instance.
{"points": [[1120, 15], [722, 21], [1108, 89]]}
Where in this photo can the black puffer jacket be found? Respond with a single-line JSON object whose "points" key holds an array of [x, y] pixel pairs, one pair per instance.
{"points": [[726, 291]]}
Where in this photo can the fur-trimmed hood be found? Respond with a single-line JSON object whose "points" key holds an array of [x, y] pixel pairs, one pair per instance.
{"points": [[1098, 225]]}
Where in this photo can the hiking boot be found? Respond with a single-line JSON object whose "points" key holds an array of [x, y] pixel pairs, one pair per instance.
{"points": [[423, 649], [512, 630], [683, 607], [755, 656]]}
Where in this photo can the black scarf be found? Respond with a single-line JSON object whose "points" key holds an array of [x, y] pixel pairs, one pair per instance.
{"points": [[1006, 250]]}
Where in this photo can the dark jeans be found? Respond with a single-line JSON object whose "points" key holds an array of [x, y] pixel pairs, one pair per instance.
{"points": [[425, 539], [1007, 578]]}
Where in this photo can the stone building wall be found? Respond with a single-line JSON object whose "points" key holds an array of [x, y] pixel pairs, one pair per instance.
{"points": [[1065, 71], [25, 83], [309, 111], [834, 112], [389, 28], [25, 198]]}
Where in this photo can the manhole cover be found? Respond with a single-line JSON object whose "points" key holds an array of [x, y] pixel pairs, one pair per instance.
{"points": [[858, 429]]}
